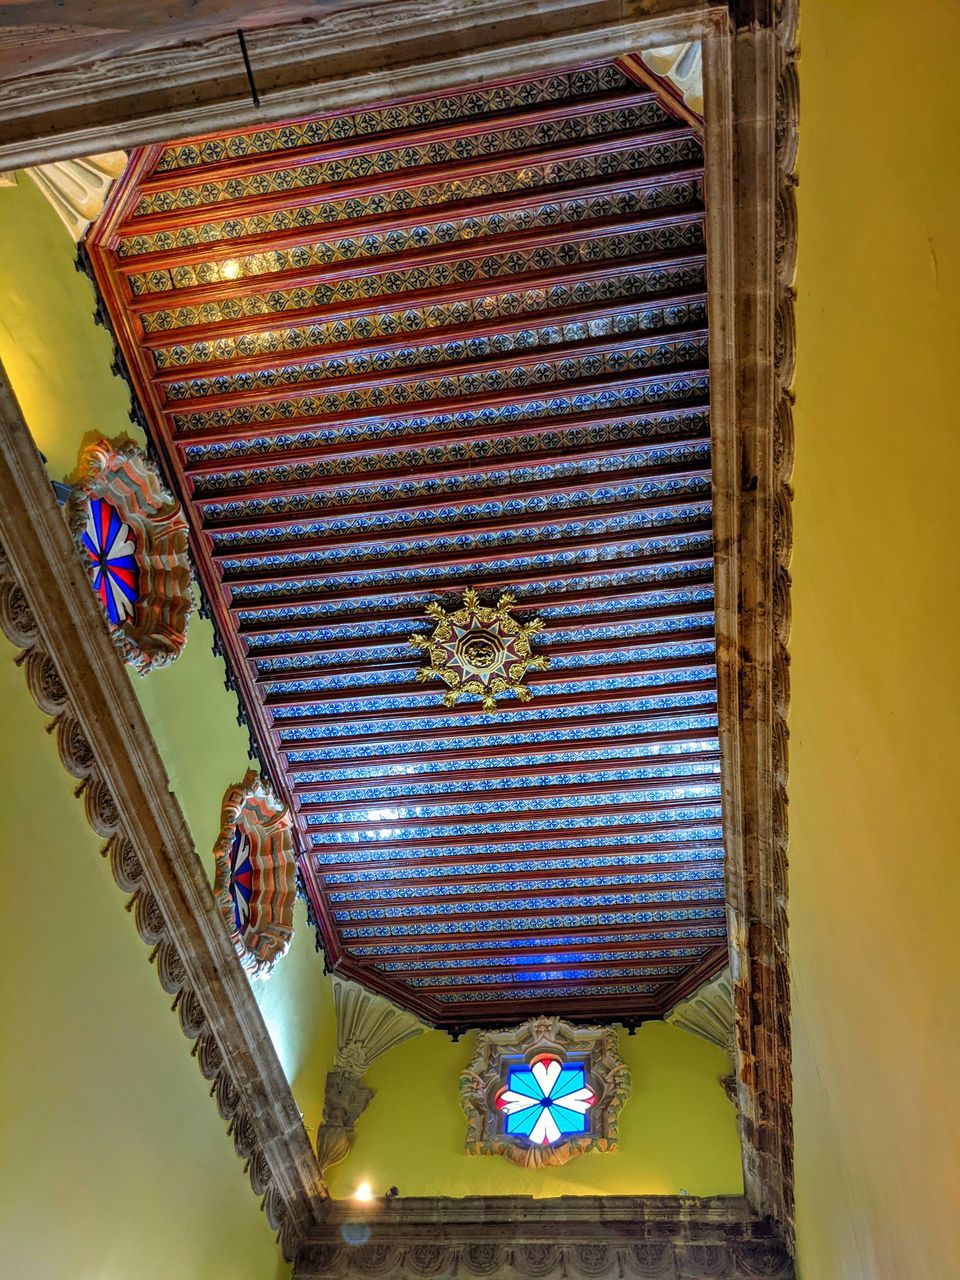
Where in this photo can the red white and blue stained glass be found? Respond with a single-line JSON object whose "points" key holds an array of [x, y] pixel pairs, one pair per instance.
{"points": [[546, 1100], [241, 878], [111, 545]]}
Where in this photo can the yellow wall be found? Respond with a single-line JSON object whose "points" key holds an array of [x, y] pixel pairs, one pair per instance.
{"points": [[678, 1131], [114, 1163], [874, 902]]}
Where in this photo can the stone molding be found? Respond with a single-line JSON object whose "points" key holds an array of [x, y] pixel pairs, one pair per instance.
{"points": [[595, 1047], [709, 1013], [367, 1026], [358, 55], [517, 1237], [751, 89], [75, 676]]}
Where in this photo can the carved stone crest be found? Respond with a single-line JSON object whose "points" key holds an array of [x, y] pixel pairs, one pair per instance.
{"points": [[255, 885], [544, 1070], [132, 537]]}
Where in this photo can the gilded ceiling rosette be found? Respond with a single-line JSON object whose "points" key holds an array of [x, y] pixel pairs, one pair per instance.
{"points": [[255, 886], [132, 537], [479, 650]]}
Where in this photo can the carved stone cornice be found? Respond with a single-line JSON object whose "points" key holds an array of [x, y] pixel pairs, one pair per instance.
{"points": [[517, 1237], [48, 610], [380, 51]]}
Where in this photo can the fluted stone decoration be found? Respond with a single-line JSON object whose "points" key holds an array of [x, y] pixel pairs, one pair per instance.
{"points": [[77, 189], [709, 1013], [682, 65], [367, 1026]]}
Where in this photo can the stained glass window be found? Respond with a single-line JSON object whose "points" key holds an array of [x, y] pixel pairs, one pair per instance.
{"points": [[111, 545], [546, 1100], [241, 878]]}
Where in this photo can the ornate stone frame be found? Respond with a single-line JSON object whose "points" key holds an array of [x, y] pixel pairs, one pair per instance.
{"points": [[252, 805], [749, 53], [123, 476], [595, 1047]]}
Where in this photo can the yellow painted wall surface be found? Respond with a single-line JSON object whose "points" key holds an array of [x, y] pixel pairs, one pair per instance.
{"points": [[678, 1131], [114, 1163], [875, 841]]}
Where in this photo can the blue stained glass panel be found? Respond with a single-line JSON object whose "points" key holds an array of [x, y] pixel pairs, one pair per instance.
{"points": [[545, 1101]]}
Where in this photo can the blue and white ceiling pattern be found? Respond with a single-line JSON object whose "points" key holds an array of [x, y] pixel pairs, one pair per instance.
{"points": [[454, 342]]}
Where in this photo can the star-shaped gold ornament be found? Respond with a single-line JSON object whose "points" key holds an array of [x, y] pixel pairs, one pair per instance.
{"points": [[479, 650]]}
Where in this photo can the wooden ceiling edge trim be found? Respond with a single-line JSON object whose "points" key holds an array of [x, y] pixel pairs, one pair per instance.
{"points": [[304, 68], [71, 662], [750, 83], [716, 959], [231, 647]]}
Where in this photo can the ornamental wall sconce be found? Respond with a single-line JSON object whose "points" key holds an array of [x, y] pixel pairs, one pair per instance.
{"points": [[255, 886], [479, 650], [544, 1092], [132, 538]]}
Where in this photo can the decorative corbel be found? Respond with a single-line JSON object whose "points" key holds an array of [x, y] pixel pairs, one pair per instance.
{"points": [[367, 1026], [708, 1013], [77, 189]]}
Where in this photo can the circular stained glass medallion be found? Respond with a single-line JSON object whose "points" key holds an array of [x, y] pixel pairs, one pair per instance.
{"points": [[111, 545]]}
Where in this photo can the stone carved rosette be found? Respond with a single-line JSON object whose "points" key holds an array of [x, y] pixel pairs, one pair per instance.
{"points": [[564, 1071], [132, 537], [255, 885]]}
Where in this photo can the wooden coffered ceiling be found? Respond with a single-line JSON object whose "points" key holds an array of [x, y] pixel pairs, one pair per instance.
{"points": [[456, 341]]}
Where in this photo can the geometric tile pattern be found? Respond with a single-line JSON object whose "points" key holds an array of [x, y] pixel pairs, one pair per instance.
{"points": [[456, 342]]}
